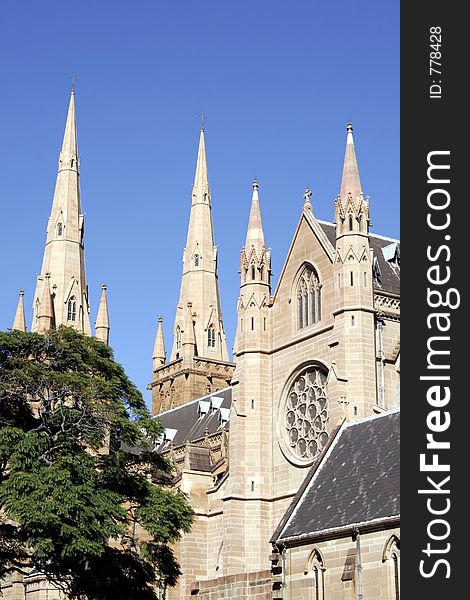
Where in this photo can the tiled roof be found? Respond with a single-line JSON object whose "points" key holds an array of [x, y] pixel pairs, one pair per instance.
{"points": [[189, 422], [199, 458], [356, 482]]}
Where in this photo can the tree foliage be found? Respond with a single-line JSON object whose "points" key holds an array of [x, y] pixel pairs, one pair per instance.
{"points": [[80, 499]]}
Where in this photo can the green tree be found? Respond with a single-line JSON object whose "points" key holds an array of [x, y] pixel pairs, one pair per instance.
{"points": [[79, 478]]}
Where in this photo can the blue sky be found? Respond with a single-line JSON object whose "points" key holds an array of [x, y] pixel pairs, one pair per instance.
{"points": [[278, 82]]}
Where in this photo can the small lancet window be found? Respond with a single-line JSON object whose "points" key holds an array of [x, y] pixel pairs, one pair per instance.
{"points": [[59, 229], [392, 556], [350, 223], [196, 260], [178, 338], [317, 570], [308, 298], [211, 337], [253, 271], [72, 309]]}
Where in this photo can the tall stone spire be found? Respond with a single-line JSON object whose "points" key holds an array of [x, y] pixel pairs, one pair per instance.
{"points": [[255, 259], [199, 362], [64, 256], [199, 283], [351, 208], [20, 322], [102, 318], [351, 182], [159, 354]]}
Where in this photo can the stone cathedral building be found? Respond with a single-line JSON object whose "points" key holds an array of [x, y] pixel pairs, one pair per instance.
{"points": [[289, 454]]}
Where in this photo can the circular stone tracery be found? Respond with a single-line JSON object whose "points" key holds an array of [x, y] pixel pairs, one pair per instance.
{"points": [[306, 414]]}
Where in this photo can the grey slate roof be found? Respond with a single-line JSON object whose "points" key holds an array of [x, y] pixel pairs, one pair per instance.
{"points": [[189, 422], [389, 280], [356, 482], [199, 458]]}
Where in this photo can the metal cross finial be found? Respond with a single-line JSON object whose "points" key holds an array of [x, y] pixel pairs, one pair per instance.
{"points": [[74, 80], [203, 118], [308, 193]]}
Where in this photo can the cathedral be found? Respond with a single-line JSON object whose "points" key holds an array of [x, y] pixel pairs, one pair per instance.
{"points": [[289, 453]]}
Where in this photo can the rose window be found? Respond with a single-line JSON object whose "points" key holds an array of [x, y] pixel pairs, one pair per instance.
{"points": [[306, 414]]}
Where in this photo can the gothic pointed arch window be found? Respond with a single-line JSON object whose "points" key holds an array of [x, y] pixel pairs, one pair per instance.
{"points": [[391, 555], [72, 309], [308, 298], [60, 229], [316, 570], [211, 337], [196, 260], [350, 220], [253, 271]]}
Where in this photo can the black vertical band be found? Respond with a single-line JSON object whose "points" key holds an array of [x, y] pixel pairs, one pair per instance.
{"points": [[434, 395]]}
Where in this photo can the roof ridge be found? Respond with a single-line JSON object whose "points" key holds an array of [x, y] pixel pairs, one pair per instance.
{"points": [[371, 417]]}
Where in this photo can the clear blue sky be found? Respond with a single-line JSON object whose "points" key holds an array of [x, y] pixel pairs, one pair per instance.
{"points": [[278, 82]]}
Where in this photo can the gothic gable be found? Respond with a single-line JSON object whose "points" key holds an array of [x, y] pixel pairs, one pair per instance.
{"points": [[311, 247], [311, 243]]}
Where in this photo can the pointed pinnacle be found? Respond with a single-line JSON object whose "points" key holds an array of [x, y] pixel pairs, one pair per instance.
{"points": [[20, 322], [189, 336], [159, 354], [255, 231], [46, 309], [351, 182], [102, 317]]}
